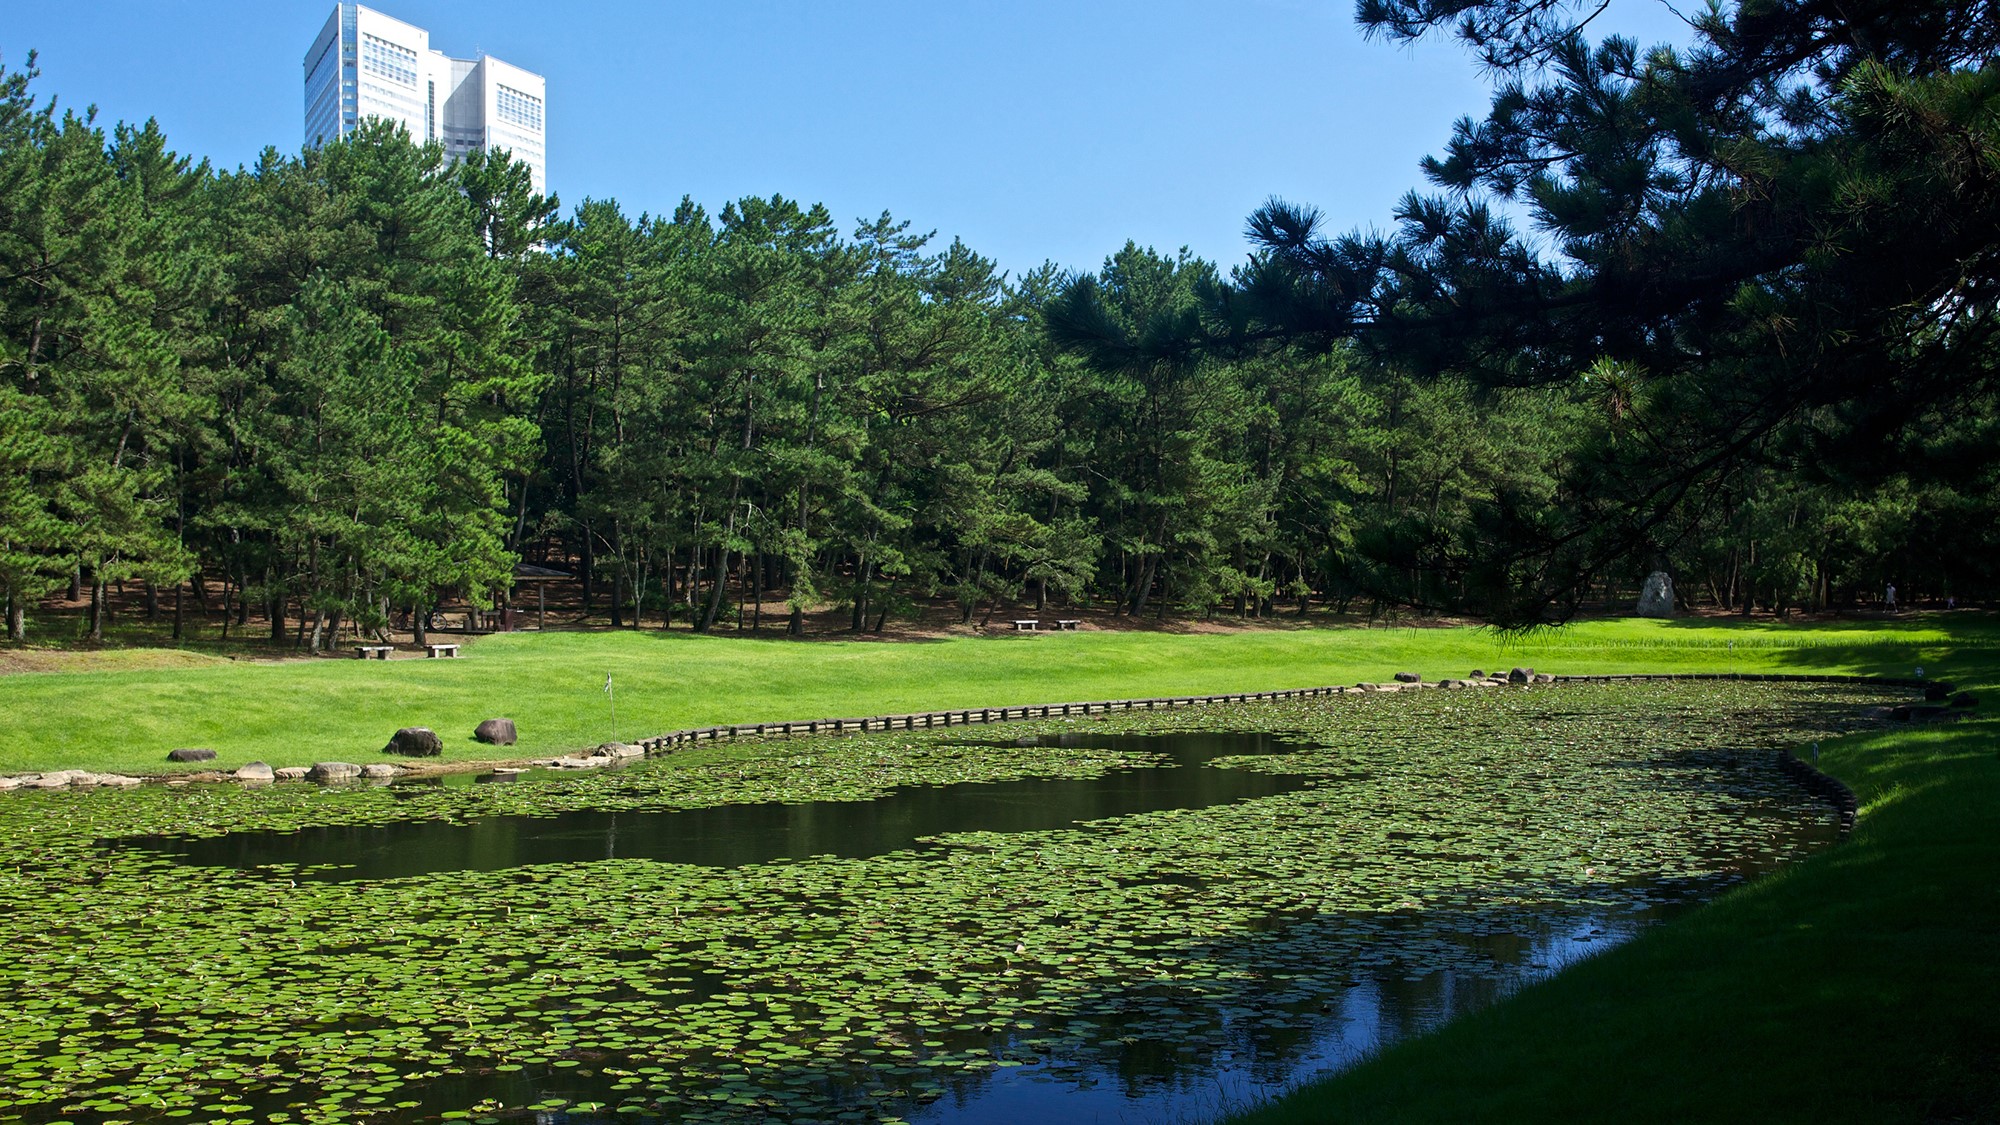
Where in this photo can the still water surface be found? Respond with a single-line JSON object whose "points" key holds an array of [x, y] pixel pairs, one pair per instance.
{"points": [[736, 835], [1272, 1041]]}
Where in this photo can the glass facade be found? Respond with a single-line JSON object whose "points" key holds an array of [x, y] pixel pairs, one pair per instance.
{"points": [[521, 109], [367, 64]]}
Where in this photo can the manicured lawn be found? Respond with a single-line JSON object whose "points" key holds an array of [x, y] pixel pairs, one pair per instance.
{"points": [[552, 684], [1861, 985]]}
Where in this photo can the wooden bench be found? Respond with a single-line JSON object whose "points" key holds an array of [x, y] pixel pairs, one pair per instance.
{"points": [[1068, 622], [442, 650], [1027, 626], [373, 652]]}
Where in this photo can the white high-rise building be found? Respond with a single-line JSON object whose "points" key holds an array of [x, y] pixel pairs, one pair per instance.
{"points": [[364, 64]]}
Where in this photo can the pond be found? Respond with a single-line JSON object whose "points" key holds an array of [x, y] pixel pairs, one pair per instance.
{"points": [[1151, 916]]}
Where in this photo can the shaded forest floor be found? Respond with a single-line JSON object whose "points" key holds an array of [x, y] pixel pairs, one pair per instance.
{"points": [[58, 629]]}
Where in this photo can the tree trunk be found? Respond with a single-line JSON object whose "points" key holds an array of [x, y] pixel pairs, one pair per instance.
{"points": [[177, 610], [17, 617], [152, 602], [618, 577], [97, 609], [1144, 586], [718, 591], [673, 589], [864, 575]]}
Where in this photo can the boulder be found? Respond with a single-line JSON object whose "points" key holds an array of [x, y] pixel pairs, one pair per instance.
{"points": [[619, 750], [590, 763], [292, 773], [1542, 678], [1408, 678], [1476, 674], [190, 755], [415, 742], [1521, 676], [1656, 597], [115, 779], [56, 780], [1453, 685], [254, 771], [380, 769], [333, 771], [7, 783], [495, 732]]}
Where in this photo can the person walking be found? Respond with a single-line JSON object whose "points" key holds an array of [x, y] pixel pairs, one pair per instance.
{"points": [[1889, 598]]}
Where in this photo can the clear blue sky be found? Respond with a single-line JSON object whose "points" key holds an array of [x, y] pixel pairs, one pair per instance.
{"points": [[1035, 130]]}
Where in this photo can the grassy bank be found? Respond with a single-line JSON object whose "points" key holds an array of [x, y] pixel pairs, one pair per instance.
{"points": [[1861, 985], [126, 718]]}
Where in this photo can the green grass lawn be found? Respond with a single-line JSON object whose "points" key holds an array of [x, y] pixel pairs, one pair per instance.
{"points": [[552, 684], [1862, 985]]}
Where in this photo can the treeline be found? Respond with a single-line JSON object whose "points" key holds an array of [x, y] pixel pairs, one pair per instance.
{"points": [[347, 385]]}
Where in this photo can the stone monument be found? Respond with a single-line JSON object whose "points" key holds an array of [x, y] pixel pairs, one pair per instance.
{"points": [[1656, 597]]}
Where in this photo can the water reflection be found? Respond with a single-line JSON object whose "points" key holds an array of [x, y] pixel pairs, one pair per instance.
{"points": [[736, 835], [1098, 1059]]}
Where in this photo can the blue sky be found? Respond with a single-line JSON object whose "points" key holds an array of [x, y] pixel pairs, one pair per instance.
{"points": [[1033, 130]]}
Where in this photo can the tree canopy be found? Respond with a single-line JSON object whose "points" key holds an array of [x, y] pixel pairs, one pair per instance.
{"points": [[1724, 310]]}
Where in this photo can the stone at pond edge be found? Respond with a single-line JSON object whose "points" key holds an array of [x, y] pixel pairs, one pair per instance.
{"points": [[292, 773], [495, 732], [254, 771], [415, 742], [64, 778], [1408, 678], [1521, 676], [1476, 674], [1656, 597], [619, 750], [380, 769], [190, 754], [333, 771]]}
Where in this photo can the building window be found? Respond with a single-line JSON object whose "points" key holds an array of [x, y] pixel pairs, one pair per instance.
{"points": [[521, 109], [390, 60]]}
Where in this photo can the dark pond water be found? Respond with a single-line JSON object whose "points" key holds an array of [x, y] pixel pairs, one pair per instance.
{"points": [[1211, 919], [736, 835]]}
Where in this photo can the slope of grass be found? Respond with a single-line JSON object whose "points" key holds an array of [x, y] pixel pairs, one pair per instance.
{"points": [[1861, 985], [552, 684]]}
